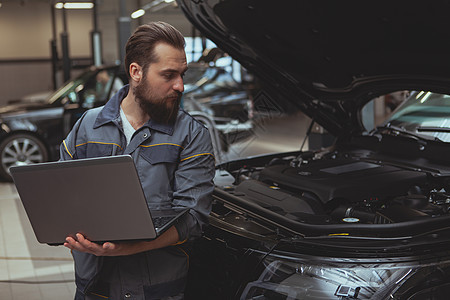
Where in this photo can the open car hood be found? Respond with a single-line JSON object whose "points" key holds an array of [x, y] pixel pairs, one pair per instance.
{"points": [[330, 57]]}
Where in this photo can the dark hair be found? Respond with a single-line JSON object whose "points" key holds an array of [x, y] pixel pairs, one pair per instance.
{"points": [[140, 45]]}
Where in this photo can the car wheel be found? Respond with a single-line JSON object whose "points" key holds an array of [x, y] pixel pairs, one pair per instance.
{"points": [[18, 150]]}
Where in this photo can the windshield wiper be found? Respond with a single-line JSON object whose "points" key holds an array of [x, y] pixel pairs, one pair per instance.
{"points": [[398, 130], [433, 129]]}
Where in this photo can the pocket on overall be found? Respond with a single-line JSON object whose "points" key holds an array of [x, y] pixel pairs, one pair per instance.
{"points": [[161, 153]]}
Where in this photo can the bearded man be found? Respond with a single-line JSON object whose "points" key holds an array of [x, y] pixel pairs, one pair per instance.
{"points": [[174, 158]]}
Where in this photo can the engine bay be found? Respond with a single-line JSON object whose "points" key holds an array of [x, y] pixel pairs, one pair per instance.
{"points": [[340, 187]]}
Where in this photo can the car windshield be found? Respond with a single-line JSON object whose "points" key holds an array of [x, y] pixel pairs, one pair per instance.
{"points": [[70, 88], [208, 80], [424, 113]]}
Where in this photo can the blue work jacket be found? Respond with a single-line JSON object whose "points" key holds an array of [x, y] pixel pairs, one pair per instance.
{"points": [[175, 164]]}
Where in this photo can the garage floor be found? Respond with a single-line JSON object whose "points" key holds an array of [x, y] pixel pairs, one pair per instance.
{"points": [[32, 271], [29, 270]]}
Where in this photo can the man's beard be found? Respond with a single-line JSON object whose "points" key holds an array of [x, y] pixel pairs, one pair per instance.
{"points": [[162, 110]]}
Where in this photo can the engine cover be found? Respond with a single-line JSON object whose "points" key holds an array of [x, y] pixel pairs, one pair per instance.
{"points": [[348, 179]]}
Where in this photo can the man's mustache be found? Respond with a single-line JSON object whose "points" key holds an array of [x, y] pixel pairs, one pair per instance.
{"points": [[175, 95]]}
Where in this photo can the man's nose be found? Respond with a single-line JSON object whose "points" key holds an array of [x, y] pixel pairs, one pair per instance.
{"points": [[179, 85]]}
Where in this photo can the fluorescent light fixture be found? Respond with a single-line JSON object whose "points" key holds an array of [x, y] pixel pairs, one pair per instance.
{"points": [[420, 94], [74, 5], [152, 6], [425, 97], [137, 14]]}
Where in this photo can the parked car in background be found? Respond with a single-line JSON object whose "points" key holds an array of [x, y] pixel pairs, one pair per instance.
{"points": [[32, 128], [214, 91], [425, 114], [367, 217], [33, 97]]}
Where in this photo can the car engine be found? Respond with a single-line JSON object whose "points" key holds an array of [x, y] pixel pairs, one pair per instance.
{"points": [[341, 187]]}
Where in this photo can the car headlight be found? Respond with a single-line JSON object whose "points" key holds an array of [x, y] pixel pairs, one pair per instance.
{"points": [[283, 279], [4, 127]]}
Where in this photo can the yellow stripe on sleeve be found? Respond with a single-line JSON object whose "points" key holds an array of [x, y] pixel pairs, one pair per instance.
{"points": [[198, 155], [179, 242], [187, 255], [67, 150]]}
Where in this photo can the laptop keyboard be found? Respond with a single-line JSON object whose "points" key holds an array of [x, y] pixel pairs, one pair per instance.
{"points": [[159, 222]]}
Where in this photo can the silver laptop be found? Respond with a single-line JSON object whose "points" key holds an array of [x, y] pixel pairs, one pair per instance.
{"points": [[101, 198]]}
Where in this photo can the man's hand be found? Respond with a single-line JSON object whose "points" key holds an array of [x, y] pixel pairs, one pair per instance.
{"points": [[82, 244], [107, 249]]}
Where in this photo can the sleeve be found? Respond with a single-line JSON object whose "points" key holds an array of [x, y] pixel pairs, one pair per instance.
{"points": [[67, 148], [194, 185]]}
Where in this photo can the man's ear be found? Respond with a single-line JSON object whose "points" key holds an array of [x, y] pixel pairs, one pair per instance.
{"points": [[135, 72]]}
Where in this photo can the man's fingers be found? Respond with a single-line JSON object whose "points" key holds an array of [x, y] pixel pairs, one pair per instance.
{"points": [[81, 239], [70, 243], [109, 246], [84, 245]]}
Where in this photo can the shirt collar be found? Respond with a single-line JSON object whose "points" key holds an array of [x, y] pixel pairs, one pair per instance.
{"points": [[111, 112]]}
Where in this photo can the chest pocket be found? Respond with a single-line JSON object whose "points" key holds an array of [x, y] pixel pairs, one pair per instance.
{"points": [[161, 153], [95, 149]]}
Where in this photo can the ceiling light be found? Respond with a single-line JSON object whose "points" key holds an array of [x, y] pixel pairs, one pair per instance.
{"points": [[74, 5], [152, 6], [425, 97], [138, 13]]}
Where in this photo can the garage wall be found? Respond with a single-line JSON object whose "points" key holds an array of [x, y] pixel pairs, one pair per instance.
{"points": [[26, 32]]}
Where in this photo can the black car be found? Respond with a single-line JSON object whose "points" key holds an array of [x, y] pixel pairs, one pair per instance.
{"points": [[367, 217], [31, 131], [213, 90]]}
